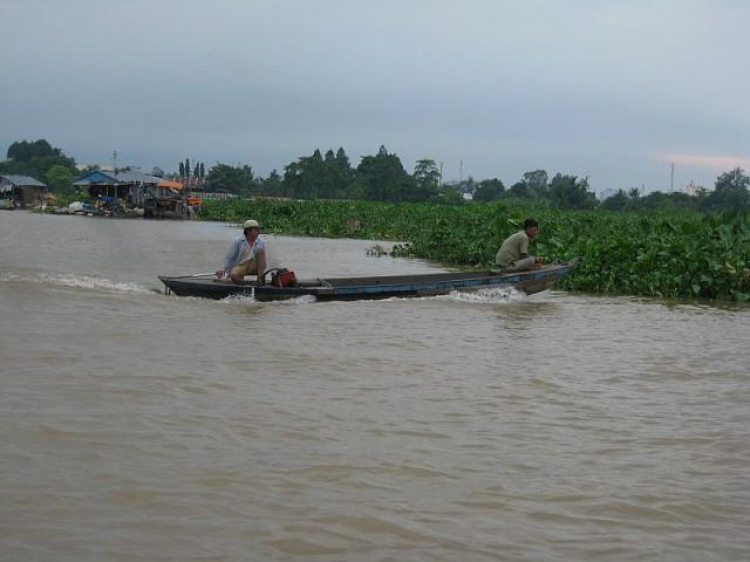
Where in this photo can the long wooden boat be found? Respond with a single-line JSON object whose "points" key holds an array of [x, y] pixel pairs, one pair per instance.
{"points": [[367, 288]]}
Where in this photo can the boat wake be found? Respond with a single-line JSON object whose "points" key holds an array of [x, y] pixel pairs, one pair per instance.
{"points": [[77, 282], [249, 299], [481, 296], [492, 296]]}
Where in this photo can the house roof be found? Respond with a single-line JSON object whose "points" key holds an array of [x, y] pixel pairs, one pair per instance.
{"points": [[109, 178], [21, 181]]}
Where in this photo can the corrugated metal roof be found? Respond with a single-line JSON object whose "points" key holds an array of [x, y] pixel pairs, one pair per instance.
{"points": [[22, 181], [108, 178]]}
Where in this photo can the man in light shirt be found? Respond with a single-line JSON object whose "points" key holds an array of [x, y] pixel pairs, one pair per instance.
{"points": [[246, 256], [513, 255]]}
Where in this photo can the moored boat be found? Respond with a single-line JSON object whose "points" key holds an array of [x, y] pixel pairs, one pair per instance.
{"points": [[367, 288]]}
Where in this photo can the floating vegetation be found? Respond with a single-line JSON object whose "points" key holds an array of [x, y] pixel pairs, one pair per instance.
{"points": [[377, 251], [676, 254]]}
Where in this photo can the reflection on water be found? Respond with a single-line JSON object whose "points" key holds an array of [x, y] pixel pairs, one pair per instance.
{"points": [[466, 427]]}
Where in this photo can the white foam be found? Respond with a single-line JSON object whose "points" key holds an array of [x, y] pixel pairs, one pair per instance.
{"points": [[77, 282], [250, 299], [492, 296]]}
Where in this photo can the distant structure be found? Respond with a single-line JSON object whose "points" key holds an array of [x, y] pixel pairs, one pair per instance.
{"points": [[693, 188], [20, 191], [607, 193], [671, 179]]}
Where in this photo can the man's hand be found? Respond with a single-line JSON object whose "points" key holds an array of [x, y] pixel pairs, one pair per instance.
{"points": [[220, 273]]}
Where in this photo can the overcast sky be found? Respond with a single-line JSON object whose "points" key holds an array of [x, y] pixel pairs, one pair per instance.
{"points": [[614, 90]]}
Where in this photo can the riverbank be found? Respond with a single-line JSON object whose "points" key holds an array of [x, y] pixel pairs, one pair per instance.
{"points": [[675, 254]]}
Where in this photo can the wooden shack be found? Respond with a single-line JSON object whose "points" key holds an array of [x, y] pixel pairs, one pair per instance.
{"points": [[20, 191]]}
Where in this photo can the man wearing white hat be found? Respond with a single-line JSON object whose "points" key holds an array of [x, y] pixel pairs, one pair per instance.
{"points": [[246, 256]]}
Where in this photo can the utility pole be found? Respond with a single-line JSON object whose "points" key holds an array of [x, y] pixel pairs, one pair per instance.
{"points": [[114, 160], [671, 179]]}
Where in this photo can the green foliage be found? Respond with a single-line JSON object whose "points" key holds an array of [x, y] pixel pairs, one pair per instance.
{"points": [[570, 192], [617, 202], [536, 183], [228, 179], [450, 195], [426, 181], [25, 151], [520, 190], [35, 159], [489, 190], [677, 254], [60, 180], [383, 177], [314, 177], [731, 192]]}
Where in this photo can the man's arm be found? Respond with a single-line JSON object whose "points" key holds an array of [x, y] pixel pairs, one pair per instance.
{"points": [[523, 249], [229, 259]]}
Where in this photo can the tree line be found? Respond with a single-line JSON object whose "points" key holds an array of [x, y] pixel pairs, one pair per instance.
{"points": [[731, 193], [383, 177]]}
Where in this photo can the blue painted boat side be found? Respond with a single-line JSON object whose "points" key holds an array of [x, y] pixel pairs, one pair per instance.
{"points": [[374, 287]]}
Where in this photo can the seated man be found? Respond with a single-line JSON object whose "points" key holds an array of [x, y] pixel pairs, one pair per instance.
{"points": [[514, 253], [246, 256]]}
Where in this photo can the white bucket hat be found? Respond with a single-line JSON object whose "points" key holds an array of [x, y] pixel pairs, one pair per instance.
{"points": [[250, 224]]}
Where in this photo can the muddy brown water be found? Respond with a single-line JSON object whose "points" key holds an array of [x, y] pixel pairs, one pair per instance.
{"points": [[139, 426]]}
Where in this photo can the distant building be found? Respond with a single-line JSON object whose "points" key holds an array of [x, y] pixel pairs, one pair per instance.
{"points": [[157, 196], [607, 193], [692, 188], [20, 191]]}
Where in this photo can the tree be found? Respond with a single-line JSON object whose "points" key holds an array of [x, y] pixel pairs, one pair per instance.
{"points": [[383, 176], [536, 181], [617, 202], [272, 185], [342, 160], [521, 190], [309, 178], [452, 195], [426, 181], [24, 151], [343, 174], [730, 192], [230, 179], [60, 179], [571, 192], [35, 159], [489, 190]]}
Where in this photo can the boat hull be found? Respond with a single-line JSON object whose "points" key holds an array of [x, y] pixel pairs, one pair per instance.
{"points": [[369, 288]]}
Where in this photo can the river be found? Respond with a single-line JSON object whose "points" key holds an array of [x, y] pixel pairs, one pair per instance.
{"points": [[139, 426]]}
